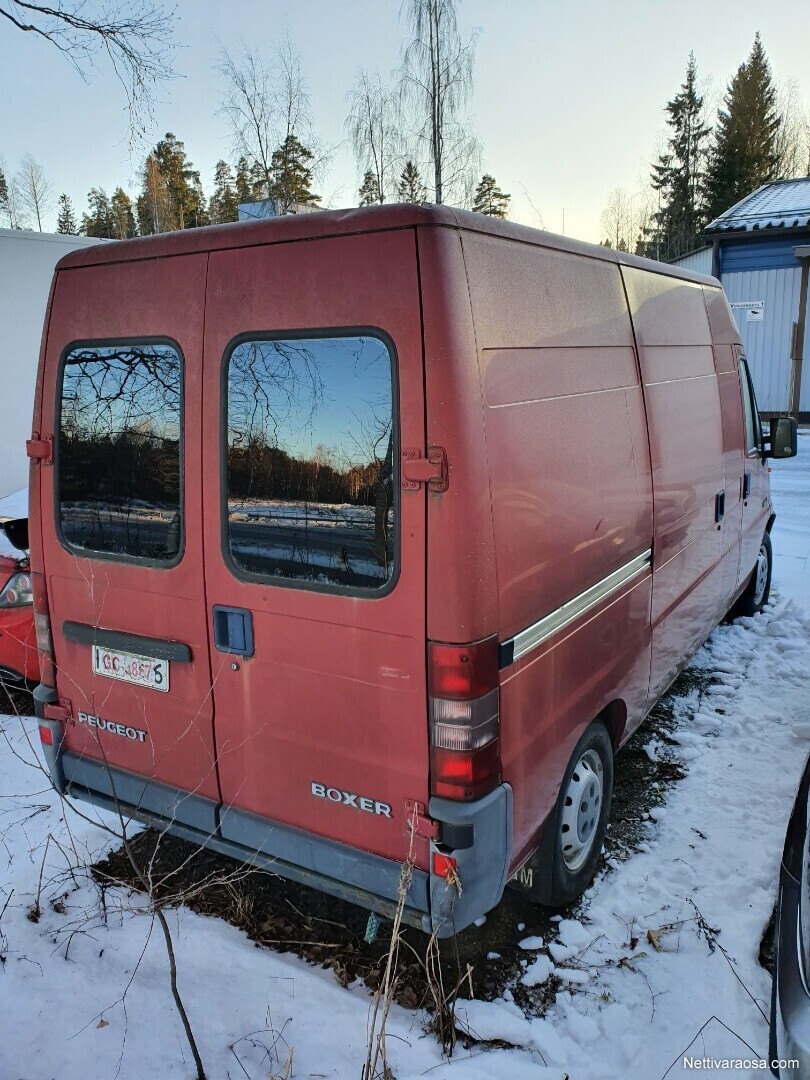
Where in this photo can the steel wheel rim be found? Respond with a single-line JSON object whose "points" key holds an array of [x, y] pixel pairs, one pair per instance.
{"points": [[761, 572], [582, 809]]}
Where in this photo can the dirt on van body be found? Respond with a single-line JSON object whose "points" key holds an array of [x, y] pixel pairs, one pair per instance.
{"points": [[483, 961]]}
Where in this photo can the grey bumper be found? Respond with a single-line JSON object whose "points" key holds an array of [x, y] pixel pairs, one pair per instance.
{"points": [[481, 831], [482, 864]]}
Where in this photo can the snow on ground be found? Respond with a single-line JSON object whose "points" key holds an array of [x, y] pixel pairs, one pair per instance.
{"points": [[661, 960]]}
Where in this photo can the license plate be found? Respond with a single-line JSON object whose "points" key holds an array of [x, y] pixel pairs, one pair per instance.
{"points": [[131, 668]]}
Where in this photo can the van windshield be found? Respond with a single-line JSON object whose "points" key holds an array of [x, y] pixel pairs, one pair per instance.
{"points": [[310, 461], [119, 450]]}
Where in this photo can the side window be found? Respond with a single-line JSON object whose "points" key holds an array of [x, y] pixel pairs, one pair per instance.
{"points": [[753, 429], [310, 461], [119, 451]]}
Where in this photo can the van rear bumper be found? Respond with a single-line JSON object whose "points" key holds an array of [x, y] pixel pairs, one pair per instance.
{"points": [[359, 877]]}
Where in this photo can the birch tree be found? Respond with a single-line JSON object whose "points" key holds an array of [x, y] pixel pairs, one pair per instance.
{"points": [[266, 103], [373, 131], [436, 85], [34, 190]]}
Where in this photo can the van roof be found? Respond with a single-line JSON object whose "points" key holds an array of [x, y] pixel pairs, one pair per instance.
{"points": [[327, 223]]}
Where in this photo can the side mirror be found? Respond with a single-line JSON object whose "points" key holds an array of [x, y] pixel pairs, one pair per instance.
{"points": [[784, 437], [16, 532]]}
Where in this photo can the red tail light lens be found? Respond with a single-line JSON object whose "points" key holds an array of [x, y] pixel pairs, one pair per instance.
{"points": [[45, 735], [464, 719], [463, 671]]}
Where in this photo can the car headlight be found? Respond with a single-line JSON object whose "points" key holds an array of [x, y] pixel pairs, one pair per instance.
{"points": [[17, 591]]}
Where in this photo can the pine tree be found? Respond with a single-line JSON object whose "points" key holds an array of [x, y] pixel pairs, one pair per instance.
{"points": [[5, 212], [411, 189], [154, 204], [489, 199], [369, 190], [98, 221], [291, 177], [186, 200], [123, 217], [242, 181], [66, 221], [249, 183], [224, 204], [678, 174], [744, 154]]}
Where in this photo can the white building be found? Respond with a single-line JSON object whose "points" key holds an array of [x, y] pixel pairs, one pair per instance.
{"points": [[27, 261]]}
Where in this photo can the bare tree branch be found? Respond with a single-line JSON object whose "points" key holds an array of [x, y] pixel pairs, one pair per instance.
{"points": [[135, 35]]}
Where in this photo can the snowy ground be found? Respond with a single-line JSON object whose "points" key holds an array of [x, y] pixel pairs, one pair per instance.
{"points": [[662, 960]]}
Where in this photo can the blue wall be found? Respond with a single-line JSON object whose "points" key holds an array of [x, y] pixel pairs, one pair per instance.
{"points": [[761, 253]]}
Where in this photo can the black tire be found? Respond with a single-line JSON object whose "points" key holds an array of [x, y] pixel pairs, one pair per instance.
{"points": [[556, 878], [754, 597]]}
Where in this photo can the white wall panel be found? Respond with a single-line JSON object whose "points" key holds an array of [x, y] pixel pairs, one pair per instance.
{"points": [[27, 261]]}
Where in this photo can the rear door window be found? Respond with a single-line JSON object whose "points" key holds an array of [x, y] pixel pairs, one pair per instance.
{"points": [[310, 461], [119, 490]]}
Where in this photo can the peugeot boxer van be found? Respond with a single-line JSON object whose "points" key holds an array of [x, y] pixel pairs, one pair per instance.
{"points": [[367, 537]]}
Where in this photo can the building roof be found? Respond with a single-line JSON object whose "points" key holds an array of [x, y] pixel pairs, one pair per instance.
{"points": [[334, 223], [781, 204]]}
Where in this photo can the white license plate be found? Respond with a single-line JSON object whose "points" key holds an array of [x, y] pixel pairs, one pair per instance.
{"points": [[131, 668]]}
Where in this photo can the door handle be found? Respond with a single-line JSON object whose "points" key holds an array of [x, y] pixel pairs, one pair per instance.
{"points": [[719, 506], [233, 630], [746, 486]]}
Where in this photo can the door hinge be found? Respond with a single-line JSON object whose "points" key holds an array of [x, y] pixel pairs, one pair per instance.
{"points": [[418, 823], [61, 712], [40, 450], [430, 470]]}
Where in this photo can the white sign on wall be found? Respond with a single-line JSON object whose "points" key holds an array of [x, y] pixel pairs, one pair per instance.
{"points": [[754, 309]]}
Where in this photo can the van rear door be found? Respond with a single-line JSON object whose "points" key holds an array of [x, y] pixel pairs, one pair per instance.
{"points": [[314, 553], [122, 533]]}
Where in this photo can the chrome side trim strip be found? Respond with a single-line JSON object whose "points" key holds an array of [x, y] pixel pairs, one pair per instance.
{"points": [[540, 631]]}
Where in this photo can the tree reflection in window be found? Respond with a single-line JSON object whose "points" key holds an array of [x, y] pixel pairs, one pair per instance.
{"points": [[119, 450], [310, 460]]}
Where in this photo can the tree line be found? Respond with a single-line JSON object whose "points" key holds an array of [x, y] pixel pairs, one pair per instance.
{"points": [[410, 135], [759, 134]]}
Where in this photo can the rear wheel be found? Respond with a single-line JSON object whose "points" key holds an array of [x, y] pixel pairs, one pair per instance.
{"points": [[565, 863], [758, 589]]}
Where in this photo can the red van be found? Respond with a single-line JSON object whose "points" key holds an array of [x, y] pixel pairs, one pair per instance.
{"points": [[379, 531]]}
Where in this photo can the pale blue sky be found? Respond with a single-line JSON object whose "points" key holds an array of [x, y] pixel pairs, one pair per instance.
{"points": [[568, 99]]}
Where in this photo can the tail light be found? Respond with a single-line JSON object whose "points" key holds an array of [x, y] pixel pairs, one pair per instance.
{"points": [[464, 719], [16, 591], [42, 625]]}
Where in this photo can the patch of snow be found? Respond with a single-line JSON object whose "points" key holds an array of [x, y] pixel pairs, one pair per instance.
{"points": [[531, 943], [538, 972]]}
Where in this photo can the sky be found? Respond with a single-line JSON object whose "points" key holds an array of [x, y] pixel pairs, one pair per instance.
{"points": [[568, 100]]}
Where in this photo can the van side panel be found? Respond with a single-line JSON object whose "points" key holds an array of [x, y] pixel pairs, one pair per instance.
{"points": [[686, 442], [462, 577], [755, 510], [724, 337], [571, 495]]}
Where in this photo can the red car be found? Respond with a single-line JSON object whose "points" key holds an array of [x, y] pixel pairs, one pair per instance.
{"points": [[19, 663]]}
